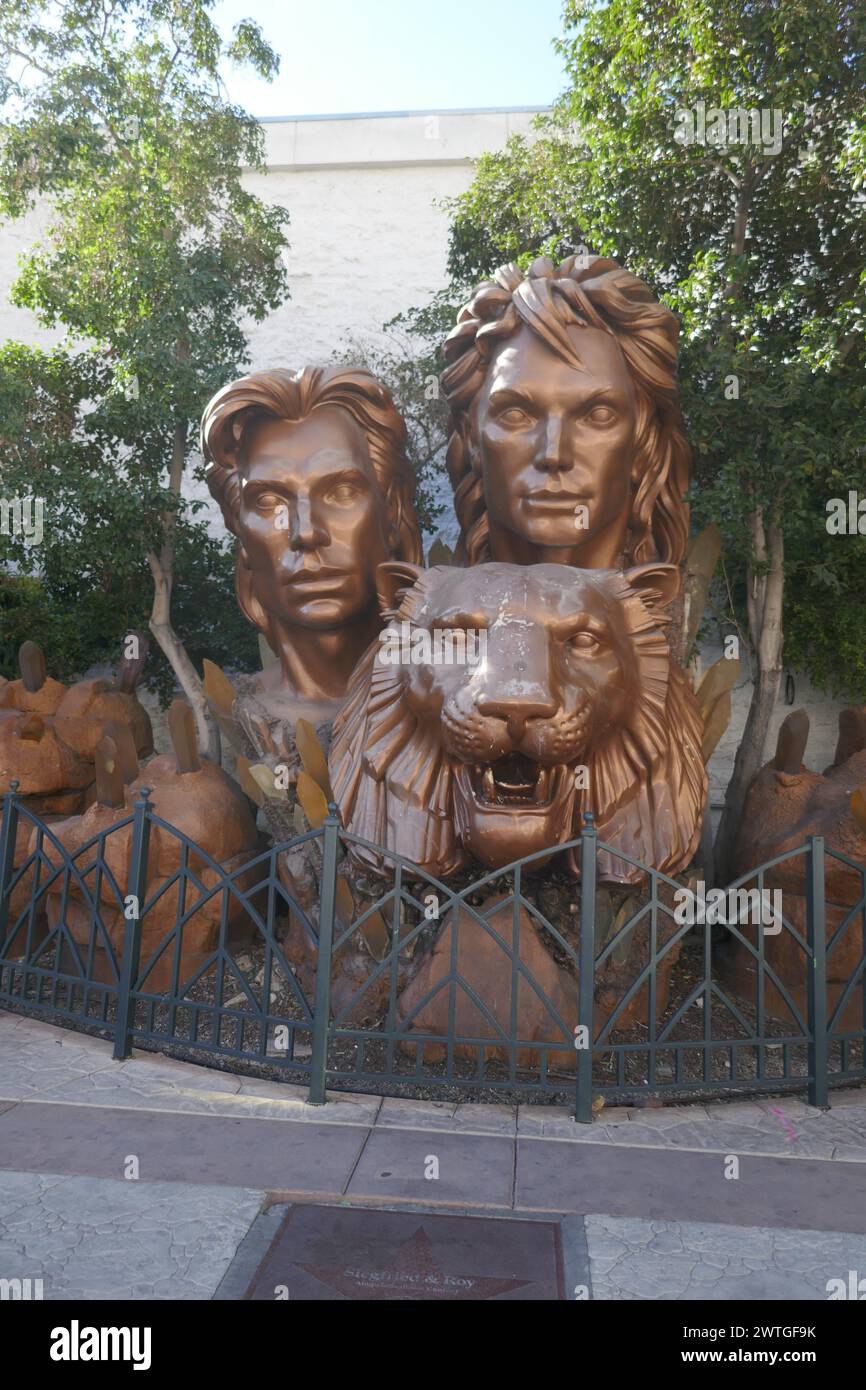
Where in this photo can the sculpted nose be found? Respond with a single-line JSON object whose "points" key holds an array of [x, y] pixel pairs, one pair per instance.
{"points": [[554, 453], [306, 533], [517, 711]]}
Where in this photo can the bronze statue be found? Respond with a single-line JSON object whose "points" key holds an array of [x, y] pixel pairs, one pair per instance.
{"points": [[786, 803], [310, 472], [49, 732], [203, 804], [567, 444], [571, 702]]}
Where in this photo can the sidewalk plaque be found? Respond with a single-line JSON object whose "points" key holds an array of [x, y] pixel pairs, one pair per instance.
{"points": [[323, 1253]]}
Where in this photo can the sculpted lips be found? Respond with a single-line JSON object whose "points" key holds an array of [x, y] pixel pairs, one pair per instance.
{"points": [[321, 578], [551, 499]]}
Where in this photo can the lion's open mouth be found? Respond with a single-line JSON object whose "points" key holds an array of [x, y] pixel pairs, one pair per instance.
{"points": [[515, 781]]}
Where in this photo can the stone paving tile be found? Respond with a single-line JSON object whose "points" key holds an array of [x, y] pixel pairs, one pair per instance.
{"points": [[720, 1137], [279, 1102], [473, 1170], [842, 1127], [557, 1122], [633, 1259], [664, 1116], [750, 1127], [94, 1238], [397, 1112], [855, 1096], [848, 1153], [82, 1141], [794, 1107], [42, 1061], [36, 1058], [668, 1184]]}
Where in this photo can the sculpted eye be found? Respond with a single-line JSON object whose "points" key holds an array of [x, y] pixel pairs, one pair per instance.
{"points": [[584, 644], [601, 415], [342, 493], [268, 501], [514, 416]]}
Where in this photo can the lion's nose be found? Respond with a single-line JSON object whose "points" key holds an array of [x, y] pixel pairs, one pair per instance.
{"points": [[517, 711]]}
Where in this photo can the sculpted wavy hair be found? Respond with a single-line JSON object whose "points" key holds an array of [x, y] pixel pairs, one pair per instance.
{"points": [[591, 292], [284, 395], [646, 780]]}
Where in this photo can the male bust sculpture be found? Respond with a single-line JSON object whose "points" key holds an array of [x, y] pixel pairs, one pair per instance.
{"points": [[310, 472], [567, 443]]}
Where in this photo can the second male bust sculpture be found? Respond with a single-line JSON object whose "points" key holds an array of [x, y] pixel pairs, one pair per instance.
{"points": [[567, 443], [310, 472]]}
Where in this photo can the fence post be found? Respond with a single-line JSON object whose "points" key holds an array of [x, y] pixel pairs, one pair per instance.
{"points": [[136, 890], [322, 1007], [8, 835], [586, 984], [816, 935]]}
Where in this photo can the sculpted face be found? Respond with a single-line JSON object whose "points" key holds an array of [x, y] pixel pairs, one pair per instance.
{"points": [[313, 522], [558, 669], [555, 448], [569, 703]]}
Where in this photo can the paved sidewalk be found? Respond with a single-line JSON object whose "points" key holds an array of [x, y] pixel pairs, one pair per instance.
{"points": [[154, 1178], [39, 1062]]}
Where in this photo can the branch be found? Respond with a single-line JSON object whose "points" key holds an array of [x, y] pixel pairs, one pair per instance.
{"points": [[728, 173]]}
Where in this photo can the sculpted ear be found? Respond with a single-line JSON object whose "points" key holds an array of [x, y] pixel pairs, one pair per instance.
{"points": [[393, 578], [657, 584]]}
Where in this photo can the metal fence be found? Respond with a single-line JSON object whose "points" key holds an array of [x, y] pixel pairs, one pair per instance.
{"points": [[140, 935]]}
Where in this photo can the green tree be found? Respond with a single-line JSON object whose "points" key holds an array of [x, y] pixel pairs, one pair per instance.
{"points": [[83, 586], [409, 361], [115, 111], [755, 235]]}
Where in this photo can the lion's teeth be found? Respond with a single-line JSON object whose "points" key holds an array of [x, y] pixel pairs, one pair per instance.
{"points": [[489, 785], [541, 786]]}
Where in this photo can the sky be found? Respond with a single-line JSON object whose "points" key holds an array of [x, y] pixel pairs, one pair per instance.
{"points": [[399, 55]]}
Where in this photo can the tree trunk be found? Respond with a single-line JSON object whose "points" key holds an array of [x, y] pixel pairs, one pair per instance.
{"points": [[188, 678], [162, 569], [766, 592]]}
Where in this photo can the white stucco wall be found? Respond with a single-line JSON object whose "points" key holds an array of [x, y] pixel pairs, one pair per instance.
{"points": [[368, 239]]}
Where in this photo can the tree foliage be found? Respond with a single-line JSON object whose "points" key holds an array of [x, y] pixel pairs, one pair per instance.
{"points": [[752, 227], [85, 584], [156, 256], [762, 254]]}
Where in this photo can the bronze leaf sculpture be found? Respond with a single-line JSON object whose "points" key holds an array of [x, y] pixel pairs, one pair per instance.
{"points": [[786, 803], [573, 704], [49, 732]]}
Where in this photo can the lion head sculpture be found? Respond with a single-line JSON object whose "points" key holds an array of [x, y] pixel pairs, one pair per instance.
{"points": [[566, 700]]}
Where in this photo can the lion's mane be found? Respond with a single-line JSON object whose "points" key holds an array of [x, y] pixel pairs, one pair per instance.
{"points": [[647, 782]]}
